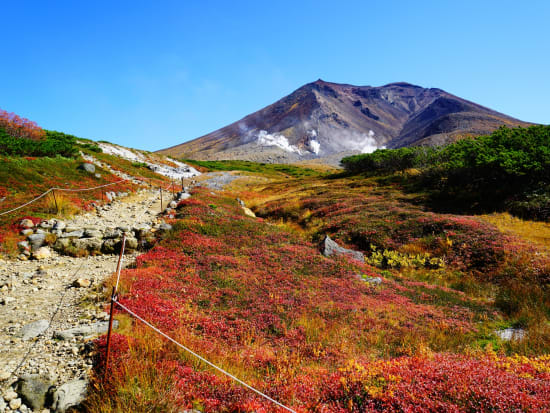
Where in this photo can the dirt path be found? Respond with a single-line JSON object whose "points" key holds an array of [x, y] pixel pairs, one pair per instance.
{"points": [[31, 291]]}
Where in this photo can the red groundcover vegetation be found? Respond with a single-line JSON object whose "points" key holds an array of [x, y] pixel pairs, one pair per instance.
{"points": [[303, 328]]}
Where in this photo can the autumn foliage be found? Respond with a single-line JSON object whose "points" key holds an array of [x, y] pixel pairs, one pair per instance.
{"points": [[19, 127], [264, 304]]}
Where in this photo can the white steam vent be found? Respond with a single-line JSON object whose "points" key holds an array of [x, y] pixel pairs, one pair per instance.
{"points": [[314, 144], [365, 143], [276, 139]]}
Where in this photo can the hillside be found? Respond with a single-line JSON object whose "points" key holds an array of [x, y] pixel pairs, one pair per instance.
{"points": [[323, 119], [403, 307]]}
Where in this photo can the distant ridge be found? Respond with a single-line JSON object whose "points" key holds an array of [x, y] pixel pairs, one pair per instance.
{"points": [[323, 119]]}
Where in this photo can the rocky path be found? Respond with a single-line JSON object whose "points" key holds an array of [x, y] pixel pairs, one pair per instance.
{"points": [[71, 291]]}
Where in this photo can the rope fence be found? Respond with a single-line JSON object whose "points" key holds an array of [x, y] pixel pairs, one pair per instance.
{"points": [[265, 396]]}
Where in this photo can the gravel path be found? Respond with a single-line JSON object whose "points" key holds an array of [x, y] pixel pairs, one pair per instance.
{"points": [[31, 291]]}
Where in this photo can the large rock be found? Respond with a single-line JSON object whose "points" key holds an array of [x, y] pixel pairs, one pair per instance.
{"points": [[92, 245], [131, 243], [88, 167], [92, 233], [36, 240], [33, 329], [42, 253], [73, 234], [111, 246], [59, 225], [71, 394], [62, 244], [86, 331], [33, 390], [332, 248]]}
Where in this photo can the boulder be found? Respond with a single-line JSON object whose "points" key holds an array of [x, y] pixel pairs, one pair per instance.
{"points": [[92, 233], [372, 280], [331, 248], [112, 233], [86, 331], [73, 234], [88, 167], [131, 243], [26, 223], [27, 231], [92, 245], [33, 390], [62, 244], [42, 253], [33, 329], [59, 225], [70, 394], [36, 240], [111, 246]]}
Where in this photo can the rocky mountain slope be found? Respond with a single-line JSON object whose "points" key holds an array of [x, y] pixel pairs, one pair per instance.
{"points": [[322, 119]]}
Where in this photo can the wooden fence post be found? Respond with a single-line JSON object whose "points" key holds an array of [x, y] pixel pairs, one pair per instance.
{"points": [[55, 200]]}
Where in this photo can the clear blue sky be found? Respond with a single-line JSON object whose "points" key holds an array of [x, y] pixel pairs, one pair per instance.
{"points": [[152, 74]]}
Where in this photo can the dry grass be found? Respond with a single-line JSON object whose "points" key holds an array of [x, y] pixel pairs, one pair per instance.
{"points": [[533, 231]]}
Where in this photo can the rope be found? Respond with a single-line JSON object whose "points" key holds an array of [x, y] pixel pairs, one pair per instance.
{"points": [[61, 189], [91, 189], [28, 203], [200, 357]]}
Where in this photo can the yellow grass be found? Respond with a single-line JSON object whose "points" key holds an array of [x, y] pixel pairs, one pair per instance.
{"points": [[534, 231]]}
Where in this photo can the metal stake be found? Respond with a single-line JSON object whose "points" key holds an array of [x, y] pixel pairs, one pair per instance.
{"points": [[109, 331]]}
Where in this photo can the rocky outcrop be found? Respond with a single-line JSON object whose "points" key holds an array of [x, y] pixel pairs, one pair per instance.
{"points": [[331, 248]]}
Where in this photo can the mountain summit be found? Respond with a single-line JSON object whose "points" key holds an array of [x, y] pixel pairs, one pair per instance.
{"points": [[323, 119]]}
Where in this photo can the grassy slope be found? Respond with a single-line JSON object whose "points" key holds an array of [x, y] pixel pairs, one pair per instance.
{"points": [[261, 301]]}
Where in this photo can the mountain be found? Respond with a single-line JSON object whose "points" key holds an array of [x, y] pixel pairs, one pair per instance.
{"points": [[323, 119]]}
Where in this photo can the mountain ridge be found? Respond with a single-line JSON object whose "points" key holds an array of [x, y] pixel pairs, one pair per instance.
{"points": [[323, 119]]}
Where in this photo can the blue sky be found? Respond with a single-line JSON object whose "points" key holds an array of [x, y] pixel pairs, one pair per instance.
{"points": [[152, 74]]}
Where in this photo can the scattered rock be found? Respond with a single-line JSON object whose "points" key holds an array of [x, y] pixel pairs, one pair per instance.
{"points": [[24, 246], [82, 283], [10, 395], [3, 404], [33, 389], [15, 404], [26, 223], [511, 334], [372, 280], [33, 329], [87, 331], [165, 227], [7, 300], [4, 375], [70, 394], [88, 167], [42, 253], [332, 248]]}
